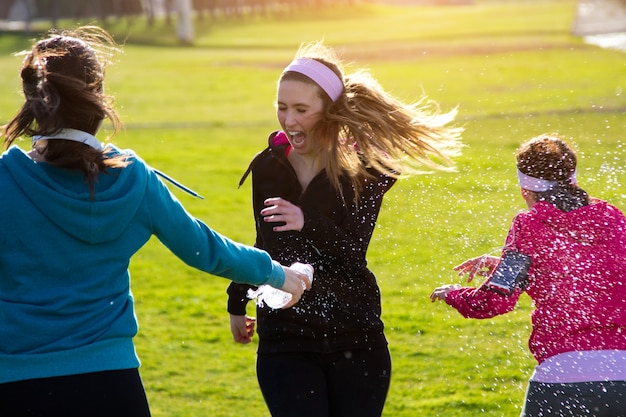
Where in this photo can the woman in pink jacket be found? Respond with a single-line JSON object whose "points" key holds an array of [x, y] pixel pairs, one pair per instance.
{"points": [[575, 249]]}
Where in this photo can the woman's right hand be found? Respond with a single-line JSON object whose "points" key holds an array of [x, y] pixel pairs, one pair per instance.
{"points": [[440, 293], [295, 284], [242, 328]]}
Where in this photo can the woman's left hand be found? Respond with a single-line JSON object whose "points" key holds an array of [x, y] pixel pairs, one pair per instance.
{"points": [[280, 210], [481, 266]]}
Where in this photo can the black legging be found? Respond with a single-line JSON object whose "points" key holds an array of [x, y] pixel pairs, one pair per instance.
{"points": [[341, 384], [588, 399], [98, 394]]}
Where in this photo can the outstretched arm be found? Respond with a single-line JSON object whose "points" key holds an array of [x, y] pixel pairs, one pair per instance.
{"points": [[477, 303]]}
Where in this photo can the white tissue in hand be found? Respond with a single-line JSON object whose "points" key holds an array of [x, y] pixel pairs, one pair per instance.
{"points": [[275, 298], [270, 296]]}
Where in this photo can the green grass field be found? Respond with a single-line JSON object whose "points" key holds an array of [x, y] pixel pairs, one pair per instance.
{"points": [[200, 113]]}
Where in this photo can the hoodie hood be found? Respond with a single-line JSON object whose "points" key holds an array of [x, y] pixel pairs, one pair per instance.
{"points": [[62, 196], [591, 224], [277, 139], [277, 143]]}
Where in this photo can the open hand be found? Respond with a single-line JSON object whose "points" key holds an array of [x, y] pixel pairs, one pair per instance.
{"points": [[280, 210], [481, 266]]}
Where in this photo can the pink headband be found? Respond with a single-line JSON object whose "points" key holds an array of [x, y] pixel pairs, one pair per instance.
{"points": [[320, 74]]}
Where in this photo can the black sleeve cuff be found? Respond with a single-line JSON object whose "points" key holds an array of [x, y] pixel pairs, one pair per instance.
{"points": [[237, 298]]}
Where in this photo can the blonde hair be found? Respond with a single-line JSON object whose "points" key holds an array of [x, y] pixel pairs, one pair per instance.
{"points": [[366, 127]]}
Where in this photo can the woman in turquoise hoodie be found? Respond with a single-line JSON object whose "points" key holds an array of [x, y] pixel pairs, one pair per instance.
{"points": [[73, 214]]}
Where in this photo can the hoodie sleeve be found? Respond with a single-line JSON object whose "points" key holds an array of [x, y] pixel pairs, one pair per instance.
{"points": [[481, 302], [237, 298], [201, 247]]}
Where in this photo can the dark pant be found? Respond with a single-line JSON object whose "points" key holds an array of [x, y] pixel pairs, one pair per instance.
{"points": [[98, 394], [352, 383], [588, 399]]}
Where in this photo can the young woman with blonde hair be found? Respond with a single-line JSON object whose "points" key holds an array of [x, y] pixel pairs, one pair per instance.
{"points": [[317, 190]]}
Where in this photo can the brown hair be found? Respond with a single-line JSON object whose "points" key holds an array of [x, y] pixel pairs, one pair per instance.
{"points": [[548, 157], [62, 80], [390, 136]]}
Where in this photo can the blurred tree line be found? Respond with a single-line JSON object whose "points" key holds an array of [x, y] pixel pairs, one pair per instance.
{"points": [[182, 12], [102, 9]]}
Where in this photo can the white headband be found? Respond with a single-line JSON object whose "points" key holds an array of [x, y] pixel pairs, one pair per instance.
{"points": [[91, 140], [72, 134], [537, 184]]}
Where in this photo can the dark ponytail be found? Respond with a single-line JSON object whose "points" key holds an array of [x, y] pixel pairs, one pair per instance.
{"points": [[62, 80], [550, 158]]}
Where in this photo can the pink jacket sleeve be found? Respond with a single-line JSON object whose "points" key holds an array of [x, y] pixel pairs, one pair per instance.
{"points": [[481, 302]]}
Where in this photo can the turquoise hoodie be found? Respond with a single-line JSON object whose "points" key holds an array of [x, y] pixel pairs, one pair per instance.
{"points": [[65, 301]]}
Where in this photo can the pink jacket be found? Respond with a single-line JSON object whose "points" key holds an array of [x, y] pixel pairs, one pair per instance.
{"points": [[577, 279]]}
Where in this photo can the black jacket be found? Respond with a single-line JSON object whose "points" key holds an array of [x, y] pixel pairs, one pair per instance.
{"points": [[342, 309]]}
